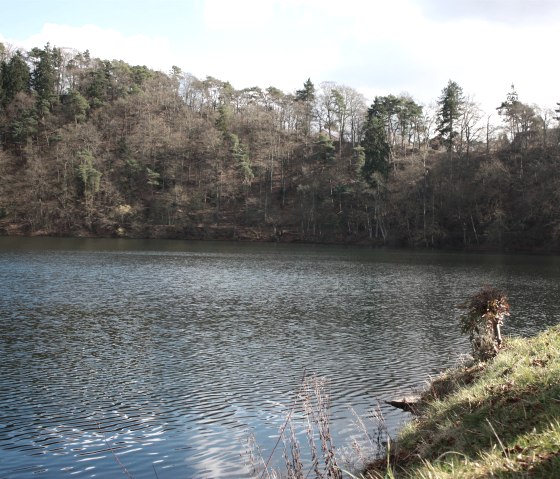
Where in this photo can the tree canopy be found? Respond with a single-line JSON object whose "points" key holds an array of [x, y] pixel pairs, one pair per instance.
{"points": [[99, 147], [450, 104]]}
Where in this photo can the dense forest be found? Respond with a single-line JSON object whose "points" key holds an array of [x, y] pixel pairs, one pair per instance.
{"points": [[91, 147]]}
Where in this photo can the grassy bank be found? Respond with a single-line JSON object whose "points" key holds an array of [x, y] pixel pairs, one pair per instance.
{"points": [[494, 419]]}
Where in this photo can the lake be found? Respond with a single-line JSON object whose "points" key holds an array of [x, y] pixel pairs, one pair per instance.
{"points": [[160, 359]]}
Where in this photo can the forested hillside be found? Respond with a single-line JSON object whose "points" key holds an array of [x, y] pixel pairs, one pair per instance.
{"points": [[93, 147]]}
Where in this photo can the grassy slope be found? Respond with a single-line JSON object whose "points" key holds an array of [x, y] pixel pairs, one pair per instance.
{"points": [[499, 419]]}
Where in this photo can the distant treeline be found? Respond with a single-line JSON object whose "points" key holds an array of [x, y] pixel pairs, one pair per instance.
{"points": [[103, 148]]}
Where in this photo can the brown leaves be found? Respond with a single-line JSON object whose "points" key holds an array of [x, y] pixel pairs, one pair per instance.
{"points": [[527, 458], [537, 362], [485, 313]]}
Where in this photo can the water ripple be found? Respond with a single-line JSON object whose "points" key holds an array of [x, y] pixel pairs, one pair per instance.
{"points": [[168, 360]]}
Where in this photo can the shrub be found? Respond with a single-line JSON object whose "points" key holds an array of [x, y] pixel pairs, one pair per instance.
{"points": [[484, 315]]}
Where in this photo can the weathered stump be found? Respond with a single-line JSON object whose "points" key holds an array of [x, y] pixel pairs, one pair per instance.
{"points": [[406, 403]]}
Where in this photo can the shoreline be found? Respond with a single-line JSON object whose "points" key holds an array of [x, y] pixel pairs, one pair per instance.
{"points": [[257, 235], [498, 418]]}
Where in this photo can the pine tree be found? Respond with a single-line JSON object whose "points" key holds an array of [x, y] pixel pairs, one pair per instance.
{"points": [[308, 92], [376, 148], [43, 78], [15, 77], [307, 98], [450, 104]]}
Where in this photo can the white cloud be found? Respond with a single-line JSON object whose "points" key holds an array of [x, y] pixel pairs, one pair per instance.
{"points": [[104, 43], [398, 48], [512, 12], [228, 14], [377, 47]]}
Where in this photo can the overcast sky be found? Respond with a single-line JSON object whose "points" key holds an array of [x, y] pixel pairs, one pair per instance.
{"points": [[376, 46]]}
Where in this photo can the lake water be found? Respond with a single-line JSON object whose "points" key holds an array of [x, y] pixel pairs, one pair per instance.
{"points": [[164, 357]]}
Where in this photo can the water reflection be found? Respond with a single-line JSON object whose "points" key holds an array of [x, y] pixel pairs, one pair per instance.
{"points": [[162, 357]]}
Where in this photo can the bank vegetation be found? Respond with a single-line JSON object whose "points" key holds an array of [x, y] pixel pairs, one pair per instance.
{"points": [[499, 418]]}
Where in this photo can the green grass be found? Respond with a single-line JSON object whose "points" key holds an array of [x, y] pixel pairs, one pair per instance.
{"points": [[495, 419]]}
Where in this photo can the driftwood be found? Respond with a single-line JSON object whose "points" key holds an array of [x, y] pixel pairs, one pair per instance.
{"points": [[407, 403]]}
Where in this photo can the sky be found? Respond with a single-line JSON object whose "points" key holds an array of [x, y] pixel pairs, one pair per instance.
{"points": [[377, 47]]}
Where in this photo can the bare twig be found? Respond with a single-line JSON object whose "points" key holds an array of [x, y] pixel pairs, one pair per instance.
{"points": [[283, 428]]}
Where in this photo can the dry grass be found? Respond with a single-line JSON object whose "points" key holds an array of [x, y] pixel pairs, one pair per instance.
{"points": [[494, 419], [309, 420], [498, 419]]}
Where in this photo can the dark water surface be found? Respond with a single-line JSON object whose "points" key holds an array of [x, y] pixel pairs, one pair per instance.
{"points": [[163, 357]]}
